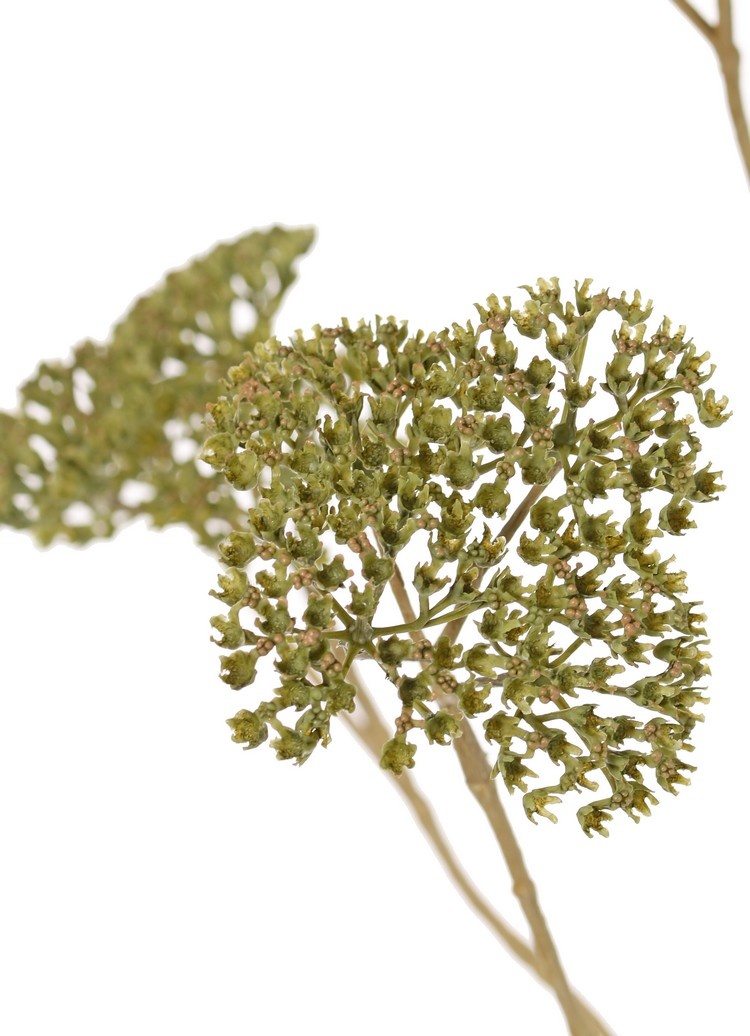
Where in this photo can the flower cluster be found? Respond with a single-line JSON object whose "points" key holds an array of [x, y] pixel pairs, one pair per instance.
{"points": [[387, 466], [114, 431]]}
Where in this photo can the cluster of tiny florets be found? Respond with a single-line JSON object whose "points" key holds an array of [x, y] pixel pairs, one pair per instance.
{"points": [[379, 459], [113, 432]]}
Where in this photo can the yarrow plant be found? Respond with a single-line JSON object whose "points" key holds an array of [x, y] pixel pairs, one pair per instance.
{"points": [[468, 515], [365, 445]]}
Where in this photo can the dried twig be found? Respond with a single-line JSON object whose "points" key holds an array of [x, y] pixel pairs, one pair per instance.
{"points": [[720, 36]]}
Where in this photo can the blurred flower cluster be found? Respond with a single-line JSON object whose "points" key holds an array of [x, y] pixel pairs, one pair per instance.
{"points": [[113, 432]]}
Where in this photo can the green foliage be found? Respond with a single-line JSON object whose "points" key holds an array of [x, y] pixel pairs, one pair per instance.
{"points": [[362, 441], [114, 431]]}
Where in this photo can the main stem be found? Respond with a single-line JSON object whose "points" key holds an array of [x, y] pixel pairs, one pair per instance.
{"points": [[369, 729], [476, 770]]}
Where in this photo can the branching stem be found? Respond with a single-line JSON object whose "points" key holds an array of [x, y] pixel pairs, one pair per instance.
{"points": [[370, 730], [719, 35]]}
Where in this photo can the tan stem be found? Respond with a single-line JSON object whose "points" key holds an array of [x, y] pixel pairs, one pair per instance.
{"points": [[370, 730], [720, 37], [703, 27], [477, 772]]}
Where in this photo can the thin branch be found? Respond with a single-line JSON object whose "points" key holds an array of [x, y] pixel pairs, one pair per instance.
{"points": [[721, 39], [398, 587], [729, 58], [452, 629], [703, 27]]}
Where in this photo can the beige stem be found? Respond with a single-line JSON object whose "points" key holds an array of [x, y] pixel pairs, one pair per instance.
{"points": [[721, 39], [370, 730]]}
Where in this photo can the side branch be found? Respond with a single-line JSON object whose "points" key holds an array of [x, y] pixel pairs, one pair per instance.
{"points": [[720, 38], [703, 27], [508, 531]]}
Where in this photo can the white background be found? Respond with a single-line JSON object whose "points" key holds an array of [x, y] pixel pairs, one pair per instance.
{"points": [[157, 879]]}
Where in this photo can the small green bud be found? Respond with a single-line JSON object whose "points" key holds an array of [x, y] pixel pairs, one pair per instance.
{"points": [[545, 514], [413, 689], [275, 583], [398, 755], [442, 728], [513, 771], [334, 574], [378, 570], [217, 449], [241, 469], [479, 661], [363, 601], [576, 394], [434, 423], [536, 465], [535, 804], [306, 546], [238, 549], [531, 320], [295, 694], [487, 394], [276, 618], [539, 374], [675, 517], [394, 650], [502, 728], [638, 529], [705, 485], [319, 613], [238, 669], [336, 434], [293, 660], [307, 460], [340, 697], [291, 744], [496, 625], [592, 818], [346, 522], [374, 453], [711, 411], [493, 498], [231, 634], [267, 518], [472, 699], [505, 352], [384, 411], [620, 380], [234, 585], [498, 434], [248, 729]]}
